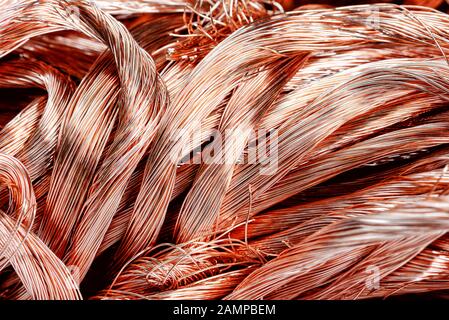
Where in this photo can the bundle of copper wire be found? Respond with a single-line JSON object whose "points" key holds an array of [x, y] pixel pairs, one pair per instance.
{"points": [[223, 149]]}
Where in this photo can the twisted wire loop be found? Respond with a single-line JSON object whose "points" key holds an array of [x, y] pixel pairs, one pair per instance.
{"points": [[232, 149], [41, 272]]}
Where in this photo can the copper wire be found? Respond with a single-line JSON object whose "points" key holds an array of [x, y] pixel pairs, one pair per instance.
{"points": [[100, 101]]}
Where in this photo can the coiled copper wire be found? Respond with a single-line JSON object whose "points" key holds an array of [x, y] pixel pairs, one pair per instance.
{"points": [[99, 165]]}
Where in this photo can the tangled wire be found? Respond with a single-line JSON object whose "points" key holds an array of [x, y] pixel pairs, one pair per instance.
{"points": [[223, 149]]}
